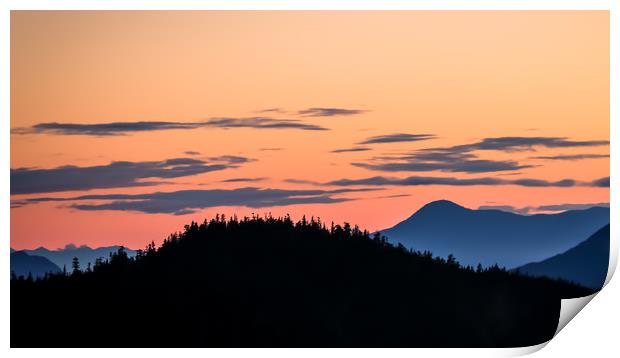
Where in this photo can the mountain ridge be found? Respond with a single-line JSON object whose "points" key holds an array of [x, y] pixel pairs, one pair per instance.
{"points": [[585, 264], [23, 264], [85, 254], [491, 236]]}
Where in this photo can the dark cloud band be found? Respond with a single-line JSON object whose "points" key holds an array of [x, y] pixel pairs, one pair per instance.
{"points": [[329, 112], [120, 128], [572, 156], [350, 150], [397, 137], [188, 201], [243, 180], [426, 180], [602, 182], [462, 158], [462, 166], [115, 174], [543, 208]]}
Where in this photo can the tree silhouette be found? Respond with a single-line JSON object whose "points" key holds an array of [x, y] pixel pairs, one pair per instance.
{"points": [[75, 266], [271, 282]]}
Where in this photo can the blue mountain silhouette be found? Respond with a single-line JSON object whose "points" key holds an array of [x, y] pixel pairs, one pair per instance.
{"points": [[493, 236], [585, 264], [63, 257], [23, 264]]}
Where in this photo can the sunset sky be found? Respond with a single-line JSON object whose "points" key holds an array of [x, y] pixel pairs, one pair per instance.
{"points": [[128, 125]]}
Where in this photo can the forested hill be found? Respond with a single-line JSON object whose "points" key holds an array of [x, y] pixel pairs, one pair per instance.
{"points": [[271, 282]]}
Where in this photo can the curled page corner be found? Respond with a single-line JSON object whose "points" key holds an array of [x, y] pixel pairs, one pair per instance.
{"points": [[569, 309], [572, 306], [523, 351]]}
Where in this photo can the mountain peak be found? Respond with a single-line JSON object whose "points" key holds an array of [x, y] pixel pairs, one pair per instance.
{"points": [[442, 205], [493, 236]]}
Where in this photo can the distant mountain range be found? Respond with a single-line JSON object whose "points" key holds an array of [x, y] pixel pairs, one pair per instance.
{"points": [[63, 257], [585, 264], [23, 264], [493, 236]]}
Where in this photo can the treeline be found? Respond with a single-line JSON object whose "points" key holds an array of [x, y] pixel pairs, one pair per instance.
{"points": [[265, 281]]}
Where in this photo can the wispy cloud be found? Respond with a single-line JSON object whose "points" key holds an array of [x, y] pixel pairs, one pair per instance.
{"points": [[271, 110], [301, 181], [104, 129], [464, 166], [243, 180], [462, 158], [393, 196], [563, 207], [602, 182], [121, 128], [507, 208], [348, 150], [439, 160], [397, 137], [572, 156], [262, 123], [543, 208], [115, 174], [191, 152], [188, 201], [329, 112], [511, 144], [430, 180]]}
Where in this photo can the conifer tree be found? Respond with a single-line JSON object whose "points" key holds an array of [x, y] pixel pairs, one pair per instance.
{"points": [[75, 265]]}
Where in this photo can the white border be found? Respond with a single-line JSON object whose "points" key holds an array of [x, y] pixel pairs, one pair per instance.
{"points": [[597, 325], [309, 4]]}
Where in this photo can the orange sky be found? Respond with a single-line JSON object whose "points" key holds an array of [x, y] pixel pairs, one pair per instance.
{"points": [[462, 76]]}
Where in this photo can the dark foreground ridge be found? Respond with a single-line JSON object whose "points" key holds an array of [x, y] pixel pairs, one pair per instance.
{"points": [[267, 282], [585, 264]]}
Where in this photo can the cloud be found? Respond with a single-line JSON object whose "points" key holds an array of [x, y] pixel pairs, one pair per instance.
{"points": [[427, 180], [262, 123], [271, 110], [18, 204], [464, 166], [439, 160], [511, 144], [115, 174], [103, 129], [564, 207], [347, 150], [543, 208], [231, 159], [121, 128], [461, 158], [414, 181], [397, 137], [542, 183], [329, 112], [602, 182], [301, 181], [270, 149], [242, 180], [572, 156], [191, 152], [393, 196], [507, 208], [188, 201]]}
